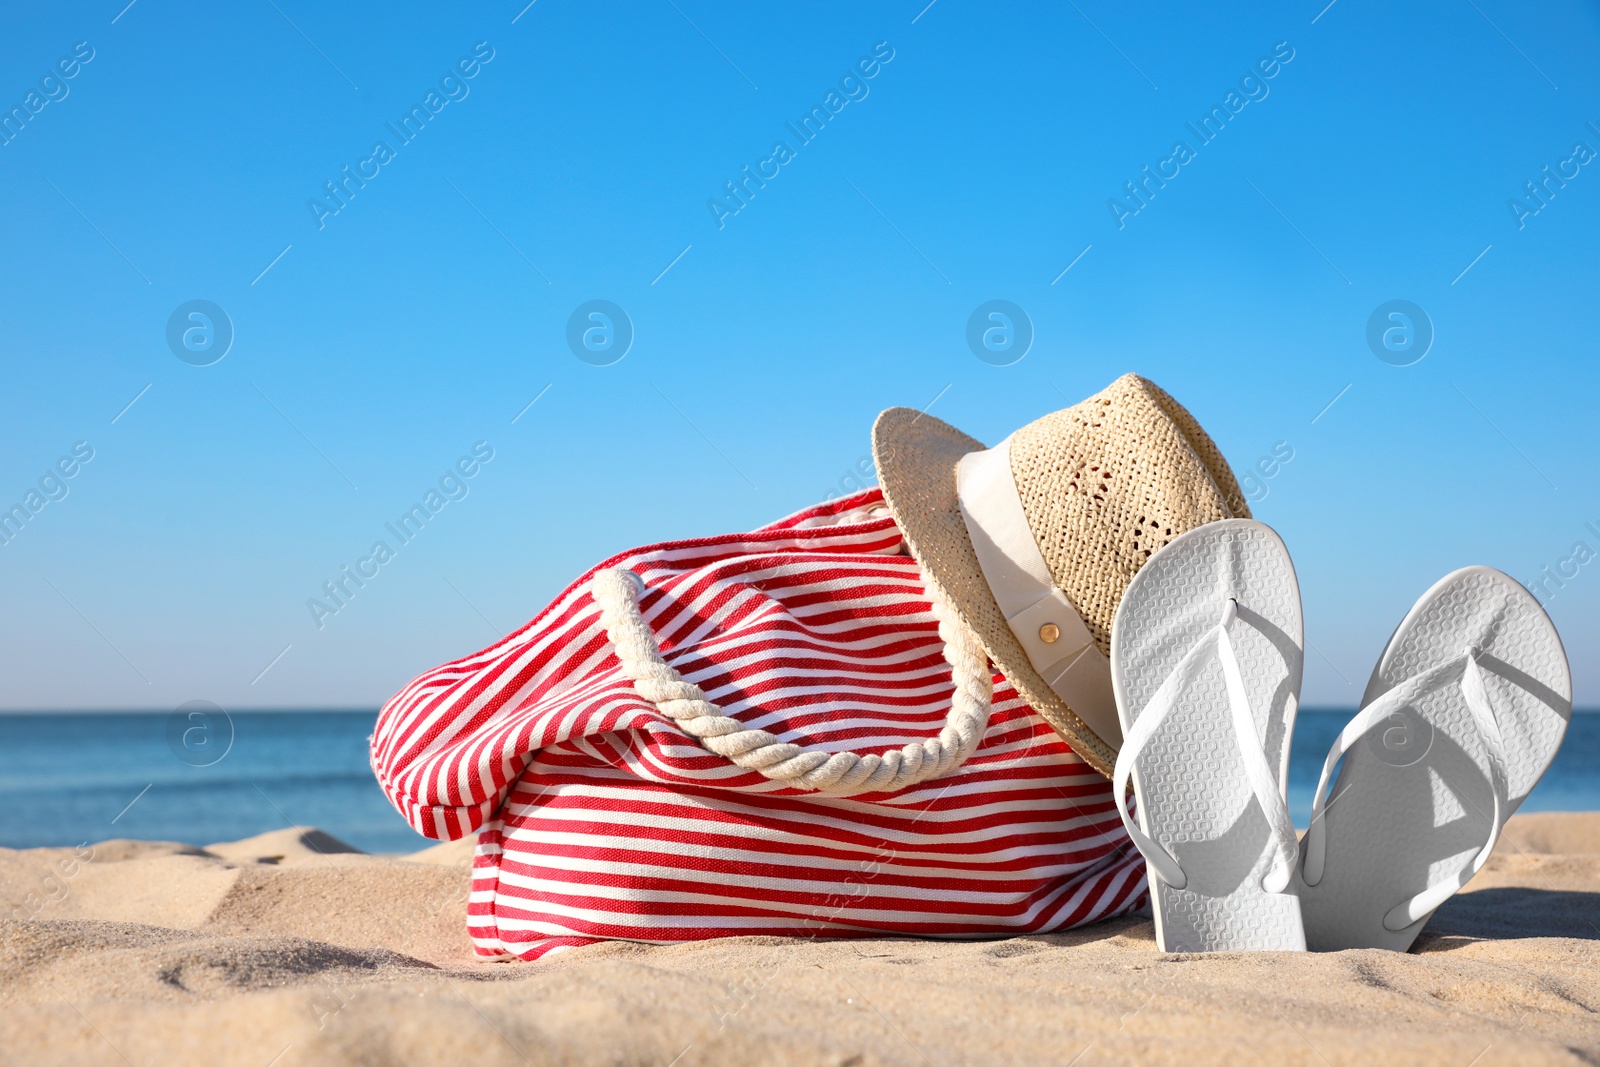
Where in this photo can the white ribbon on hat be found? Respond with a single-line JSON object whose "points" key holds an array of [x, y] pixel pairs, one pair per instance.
{"points": [[1014, 568]]}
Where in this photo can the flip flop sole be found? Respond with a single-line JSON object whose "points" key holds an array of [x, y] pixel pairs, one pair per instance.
{"points": [[1413, 801], [1190, 780]]}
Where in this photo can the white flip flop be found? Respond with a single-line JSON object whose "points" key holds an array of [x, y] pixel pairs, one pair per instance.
{"points": [[1206, 656], [1464, 712]]}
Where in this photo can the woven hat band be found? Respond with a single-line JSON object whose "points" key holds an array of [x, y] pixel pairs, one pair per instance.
{"points": [[1046, 623]]}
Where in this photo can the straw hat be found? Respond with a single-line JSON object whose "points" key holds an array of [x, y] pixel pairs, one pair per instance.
{"points": [[1034, 541]]}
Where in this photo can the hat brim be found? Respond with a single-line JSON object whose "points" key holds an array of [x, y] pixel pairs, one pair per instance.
{"points": [[916, 456]]}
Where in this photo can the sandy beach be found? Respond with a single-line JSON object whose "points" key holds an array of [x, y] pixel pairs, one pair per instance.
{"points": [[290, 948]]}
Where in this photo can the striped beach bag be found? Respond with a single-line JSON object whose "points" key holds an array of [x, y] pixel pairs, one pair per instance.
{"points": [[774, 732]]}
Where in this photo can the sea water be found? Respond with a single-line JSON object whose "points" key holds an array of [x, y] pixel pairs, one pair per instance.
{"points": [[76, 777]]}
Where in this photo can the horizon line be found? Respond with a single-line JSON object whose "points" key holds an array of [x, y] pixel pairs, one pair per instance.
{"points": [[347, 709]]}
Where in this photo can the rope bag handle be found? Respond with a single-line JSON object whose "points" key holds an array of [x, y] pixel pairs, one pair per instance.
{"points": [[617, 592]]}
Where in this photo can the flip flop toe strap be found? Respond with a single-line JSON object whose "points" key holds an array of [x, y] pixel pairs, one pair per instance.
{"points": [[1467, 672], [1258, 769]]}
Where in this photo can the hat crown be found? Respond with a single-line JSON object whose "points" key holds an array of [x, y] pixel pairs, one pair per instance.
{"points": [[1100, 487], [1109, 481]]}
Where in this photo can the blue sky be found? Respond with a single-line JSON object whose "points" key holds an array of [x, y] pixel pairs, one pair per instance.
{"points": [[374, 347]]}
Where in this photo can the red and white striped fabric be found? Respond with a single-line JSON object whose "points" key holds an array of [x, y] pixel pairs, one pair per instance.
{"points": [[598, 818]]}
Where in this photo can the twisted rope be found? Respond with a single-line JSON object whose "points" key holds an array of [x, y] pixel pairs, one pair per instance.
{"points": [[617, 591]]}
